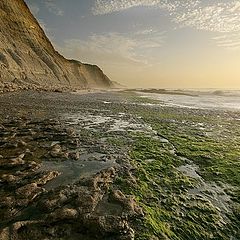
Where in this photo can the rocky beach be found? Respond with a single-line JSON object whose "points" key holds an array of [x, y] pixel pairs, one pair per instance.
{"points": [[85, 157], [114, 165]]}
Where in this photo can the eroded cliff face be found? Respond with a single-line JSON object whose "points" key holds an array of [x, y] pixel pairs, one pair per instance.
{"points": [[27, 57]]}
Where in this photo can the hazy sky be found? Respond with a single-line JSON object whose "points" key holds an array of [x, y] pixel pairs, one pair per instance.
{"points": [[149, 43]]}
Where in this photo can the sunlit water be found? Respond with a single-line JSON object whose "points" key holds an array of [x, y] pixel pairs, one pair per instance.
{"points": [[203, 100]]}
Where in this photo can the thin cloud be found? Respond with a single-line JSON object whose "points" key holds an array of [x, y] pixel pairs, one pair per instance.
{"points": [[102, 7], [219, 17], [114, 48], [228, 41], [197, 14], [53, 8], [146, 31]]}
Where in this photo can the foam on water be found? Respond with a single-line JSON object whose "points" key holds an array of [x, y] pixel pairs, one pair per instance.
{"points": [[200, 101]]}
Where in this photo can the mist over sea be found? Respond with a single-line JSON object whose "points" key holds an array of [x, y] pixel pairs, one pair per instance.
{"points": [[198, 99]]}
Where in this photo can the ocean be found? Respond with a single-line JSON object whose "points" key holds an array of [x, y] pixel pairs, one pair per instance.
{"points": [[224, 100]]}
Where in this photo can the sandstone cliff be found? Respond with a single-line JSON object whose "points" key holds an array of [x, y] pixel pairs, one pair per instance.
{"points": [[27, 57]]}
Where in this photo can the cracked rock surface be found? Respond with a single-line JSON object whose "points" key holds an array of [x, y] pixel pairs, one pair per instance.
{"points": [[56, 177]]}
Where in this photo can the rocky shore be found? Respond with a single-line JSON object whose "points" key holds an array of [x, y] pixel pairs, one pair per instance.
{"points": [[84, 207], [16, 86], [115, 166], [13, 87]]}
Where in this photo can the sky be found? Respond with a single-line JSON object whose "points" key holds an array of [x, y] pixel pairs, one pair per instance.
{"points": [[149, 43]]}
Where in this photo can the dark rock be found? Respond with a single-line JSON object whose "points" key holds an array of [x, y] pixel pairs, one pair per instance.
{"points": [[64, 214], [74, 155], [56, 151], [29, 190], [46, 177]]}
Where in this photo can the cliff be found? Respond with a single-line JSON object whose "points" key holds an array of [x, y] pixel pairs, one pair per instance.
{"points": [[29, 60]]}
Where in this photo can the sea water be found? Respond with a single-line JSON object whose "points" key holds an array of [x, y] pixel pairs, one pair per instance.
{"points": [[225, 100]]}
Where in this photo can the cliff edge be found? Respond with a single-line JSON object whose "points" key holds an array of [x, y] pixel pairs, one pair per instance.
{"points": [[28, 60]]}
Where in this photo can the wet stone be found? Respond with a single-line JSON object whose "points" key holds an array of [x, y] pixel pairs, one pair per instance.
{"points": [[29, 190], [38, 205], [64, 214]]}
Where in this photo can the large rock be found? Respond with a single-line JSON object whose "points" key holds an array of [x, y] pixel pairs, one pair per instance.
{"points": [[29, 61]]}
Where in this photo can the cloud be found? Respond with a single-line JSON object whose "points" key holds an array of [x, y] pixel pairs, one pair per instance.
{"points": [[146, 31], [219, 17], [53, 8], [34, 8], [102, 7], [228, 41], [198, 14], [114, 48]]}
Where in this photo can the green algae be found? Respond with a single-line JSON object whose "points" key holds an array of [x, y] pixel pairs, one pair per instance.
{"points": [[210, 139]]}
